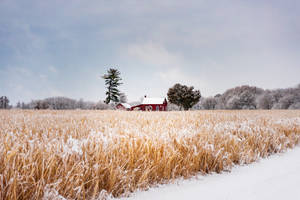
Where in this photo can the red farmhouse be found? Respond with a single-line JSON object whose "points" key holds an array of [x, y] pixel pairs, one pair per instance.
{"points": [[152, 104], [123, 106]]}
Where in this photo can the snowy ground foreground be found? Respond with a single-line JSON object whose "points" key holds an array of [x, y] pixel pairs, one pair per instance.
{"points": [[276, 177]]}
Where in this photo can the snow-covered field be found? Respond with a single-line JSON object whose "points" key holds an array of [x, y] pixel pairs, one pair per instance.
{"points": [[274, 178], [97, 154]]}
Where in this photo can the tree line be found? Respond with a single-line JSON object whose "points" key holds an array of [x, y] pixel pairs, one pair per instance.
{"points": [[242, 97], [179, 97], [251, 97], [64, 103]]}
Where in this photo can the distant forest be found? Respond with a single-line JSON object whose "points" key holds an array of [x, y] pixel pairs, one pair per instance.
{"points": [[242, 97], [249, 97]]}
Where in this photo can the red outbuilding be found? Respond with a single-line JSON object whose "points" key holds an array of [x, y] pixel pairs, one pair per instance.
{"points": [[123, 106], [152, 104]]}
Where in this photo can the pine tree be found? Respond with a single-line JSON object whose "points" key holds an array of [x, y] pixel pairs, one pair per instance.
{"points": [[4, 102], [112, 81]]}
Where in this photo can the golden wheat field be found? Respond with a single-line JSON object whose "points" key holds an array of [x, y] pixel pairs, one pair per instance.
{"points": [[97, 154]]}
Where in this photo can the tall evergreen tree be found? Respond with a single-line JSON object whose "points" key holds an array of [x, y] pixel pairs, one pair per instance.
{"points": [[112, 81], [4, 102]]}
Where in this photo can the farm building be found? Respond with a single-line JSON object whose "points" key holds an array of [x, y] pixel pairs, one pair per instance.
{"points": [[152, 104], [123, 106]]}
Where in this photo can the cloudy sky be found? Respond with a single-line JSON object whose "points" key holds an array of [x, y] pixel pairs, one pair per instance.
{"points": [[61, 48]]}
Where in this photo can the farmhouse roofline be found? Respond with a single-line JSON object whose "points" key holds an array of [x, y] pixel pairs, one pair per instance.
{"points": [[153, 101]]}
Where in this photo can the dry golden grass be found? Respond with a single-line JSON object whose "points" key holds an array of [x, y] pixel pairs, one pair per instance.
{"points": [[90, 154]]}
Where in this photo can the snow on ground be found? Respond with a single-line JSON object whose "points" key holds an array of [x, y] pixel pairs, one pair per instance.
{"points": [[276, 177]]}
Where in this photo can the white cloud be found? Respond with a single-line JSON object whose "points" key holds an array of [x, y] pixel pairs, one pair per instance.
{"points": [[52, 69], [170, 67], [43, 76], [153, 53], [21, 71]]}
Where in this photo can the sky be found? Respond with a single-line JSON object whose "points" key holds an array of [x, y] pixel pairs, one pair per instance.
{"points": [[62, 48]]}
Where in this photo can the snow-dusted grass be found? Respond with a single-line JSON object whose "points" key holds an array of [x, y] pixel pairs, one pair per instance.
{"points": [[95, 154], [274, 178]]}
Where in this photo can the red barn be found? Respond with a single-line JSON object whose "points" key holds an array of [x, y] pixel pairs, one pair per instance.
{"points": [[123, 106], [152, 104]]}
